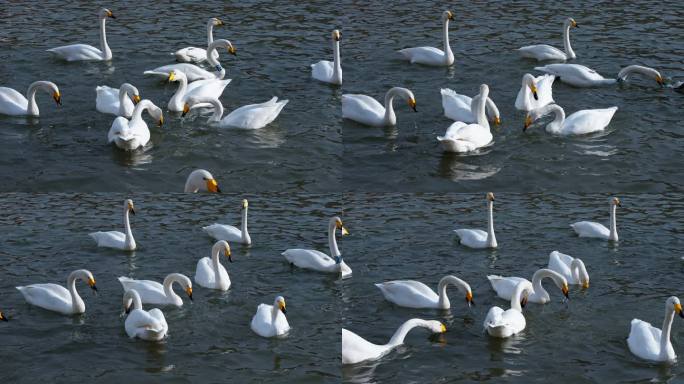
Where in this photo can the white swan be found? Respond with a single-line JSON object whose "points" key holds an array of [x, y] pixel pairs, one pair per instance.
{"points": [[151, 292], [431, 55], [581, 76], [500, 323], [14, 103], [55, 297], [572, 268], [319, 261], [134, 133], [546, 52], [597, 230], [85, 52], [535, 92], [198, 55], [270, 320], [650, 343], [251, 116], [330, 71], [414, 294], [356, 349], [201, 89], [505, 286], [477, 238], [368, 111], [194, 72], [201, 180], [116, 239], [229, 232], [210, 273], [461, 137], [579, 123], [458, 107], [146, 325], [116, 101]]}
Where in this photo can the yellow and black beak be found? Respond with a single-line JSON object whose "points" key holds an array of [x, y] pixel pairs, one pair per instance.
{"points": [[91, 283], [127, 309], [574, 24], [219, 23], [566, 291], [660, 81], [58, 97], [338, 35], [497, 120], [533, 88], [341, 227], [678, 310], [172, 76], [3, 317], [528, 122], [412, 104], [232, 50], [585, 285], [161, 121], [188, 290], [110, 14], [281, 305], [212, 186], [136, 99], [186, 109], [469, 298], [450, 15], [442, 328], [228, 254]]}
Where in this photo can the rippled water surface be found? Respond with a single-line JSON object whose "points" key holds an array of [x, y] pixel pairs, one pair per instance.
{"points": [[309, 147]]}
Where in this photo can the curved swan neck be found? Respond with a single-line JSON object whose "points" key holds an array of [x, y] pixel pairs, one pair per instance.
{"points": [[666, 329], [537, 282], [517, 295], [613, 223], [137, 115], [215, 252], [629, 70], [491, 237], [123, 94], [403, 330], [213, 46], [442, 289], [218, 109], [390, 116], [337, 62], [177, 98], [332, 242], [480, 108], [134, 296], [168, 286], [210, 32], [449, 55], [104, 47], [579, 271], [76, 302], [559, 117], [566, 41]]}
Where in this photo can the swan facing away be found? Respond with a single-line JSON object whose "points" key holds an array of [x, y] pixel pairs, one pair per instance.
{"points": [[116, 101], [201, 180], [457, 107], [145, 325], [319, 261], [85, 52], [572, 268], [414, 294], [116, 239], [14, 103], [251, 116], [270, 320], [368, 111], [330, 71], [543, 52], [582, 122], [229, 232], [505, 286], [198, 55], [430, 55], [581, 76], [535, 92], [210, 273], [598, 230], [650, 343], [477, 238], [56, 298], [151, 292], [356, 349], [134, 133], [461, 137], [503, 324], [202, 89], [192, 71]]}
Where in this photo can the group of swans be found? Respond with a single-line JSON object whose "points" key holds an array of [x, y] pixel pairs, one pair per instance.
{"points": [[462, 137]]}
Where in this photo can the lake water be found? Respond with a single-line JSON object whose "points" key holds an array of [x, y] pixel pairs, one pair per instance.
{"points": [[310, 147]]}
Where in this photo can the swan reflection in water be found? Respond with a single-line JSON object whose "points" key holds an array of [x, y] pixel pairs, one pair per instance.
{"points": [[132, 158], [453, 167]]}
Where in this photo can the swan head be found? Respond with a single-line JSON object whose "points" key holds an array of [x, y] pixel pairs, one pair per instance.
{"points": [[435, 326], [157, 114], [528, 81], [3, 317], [469, 298], [674, 304], [336, 35], [201, 180], [104, 13], [280, 303], [223, 43], [223, 245], [484, 89], [128, 206], [216, 22], [188, 291], [447, 15], [616, 202], [571, 22], [565, 290], [84, 274], [176, 75], [57, 97], [339, 225], [186, 109], [245, 204], [412, 103], [489, 196]]}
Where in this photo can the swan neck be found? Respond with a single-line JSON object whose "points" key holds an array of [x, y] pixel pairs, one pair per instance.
{"points": [[337, 62], [666, 330], [444, 302], [559, 118], [332, 241], [243, 226], [177, 98], [491, 237], [31, 97], [449, 55], [274, 313], [168, 287], [481, 110], [134, 296], [575, 270], [210, 33], [218, 110], [613, 223], [213, 46], [123, 94], [390, 116], [566, 42], [215, 252], [517, 295], [76, 302], [537, 283], [403, 330], [106, 52]]}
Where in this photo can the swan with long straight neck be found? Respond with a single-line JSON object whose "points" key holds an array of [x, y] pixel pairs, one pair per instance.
{"points": [[198, 55], [650, 343], [433, 56], [326, 71], [477, 238], [319, 261], [505, 286], [84, 52], [597, 230], [115, 239], [210, 273], [414, 294], [55, 297], [356, 349], [152, 292], [461, 137], [229, 232], [13, 103], [458, 107], [547, 52]]}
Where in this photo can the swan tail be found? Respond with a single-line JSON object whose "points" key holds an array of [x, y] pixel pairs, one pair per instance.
{"points": [[448, 92]]}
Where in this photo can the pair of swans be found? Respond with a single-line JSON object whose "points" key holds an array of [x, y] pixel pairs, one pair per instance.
{"points": [[598, 230], [462, 137], [85, 52], [151, 292], [430, 55], [650, 343], [146, 325], [56, 298], [356, 349], [210, 273], [543, 52], [506, 323], [116, 239], [252, 116], [580, 76], [330, 71], [13, 103], [319, 261], [198, 55], [133, 134], [535, 92], [270, 320], [229, 232], [192, 71], [119, 102], [505, 286], [582, 122], [414, 294], [368, 111], [477, 238], [200, 180]]}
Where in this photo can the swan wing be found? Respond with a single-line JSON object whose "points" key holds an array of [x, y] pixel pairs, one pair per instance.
{"points": [[644, 340], [12, 102], [111, 239], [409, 293], [191, 55], [310, 259], [363, 109], [542, 52], [473, 238], [504, 286], [192, 71], [356, 349], [590, 229], [146, 325], [588, 121], [107, 100], [560, 263], [212, 88], [461, 137], [228, 233], [204, 274], [262, 323], [77, 52], [322, 71], [424, 55], [49, 296], [544, 85], [575, 74], [254, 116], [456, 106], [151, 292]]}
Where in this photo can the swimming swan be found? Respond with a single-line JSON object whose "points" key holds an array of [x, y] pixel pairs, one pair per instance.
{"points": [[251, 116], [319, 261], [151, 292], [116, 239], [414, 294], [458, 107], [270, 320], [503, 324], [572, 268], [650, 343], [430, 55], [535, 92], [546, 52], [210, 273], [581, 76], [56, 298], [579, 123], [85, 52], [330, 71], [461, 137], [14, 103], [134, 133], [145, 325], [368, 111], [477, 238], [505, 286], [597, 230], [198, 55], [116, 101], [201, 180], [194, 72], [230, 233]]}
